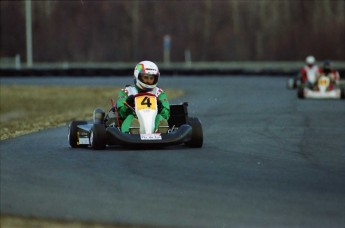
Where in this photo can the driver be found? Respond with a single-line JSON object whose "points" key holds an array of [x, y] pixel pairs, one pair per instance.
{"points": [[309, 72], [328, 71], [146, 76]]}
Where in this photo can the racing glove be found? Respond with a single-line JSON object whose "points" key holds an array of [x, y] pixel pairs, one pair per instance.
{"points": [[130, 100], [159, 106]]}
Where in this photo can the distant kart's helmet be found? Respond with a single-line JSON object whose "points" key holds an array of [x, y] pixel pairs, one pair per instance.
{"points": [[327, 66], [310, 60], [146, 68]]}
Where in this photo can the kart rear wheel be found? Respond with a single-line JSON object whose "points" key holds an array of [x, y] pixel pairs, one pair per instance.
{"points": [[197, 134], [98, 137], [291, 83], [73, 133]]}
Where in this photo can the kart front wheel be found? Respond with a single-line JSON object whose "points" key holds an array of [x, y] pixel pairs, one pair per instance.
{"points": [[300, 93], [73, 133], [197, 134], [98, 137], [342, 93]]}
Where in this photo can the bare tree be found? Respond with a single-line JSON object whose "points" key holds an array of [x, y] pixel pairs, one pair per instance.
{"points": [[120, 31]]}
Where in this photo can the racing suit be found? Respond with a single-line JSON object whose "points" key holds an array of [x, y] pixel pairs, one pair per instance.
{"points": [[127, 114], [308, 75], [333, 75]]}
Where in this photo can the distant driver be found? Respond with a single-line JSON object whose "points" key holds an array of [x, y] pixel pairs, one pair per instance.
{"points": [[329, 72], [309, 72]]}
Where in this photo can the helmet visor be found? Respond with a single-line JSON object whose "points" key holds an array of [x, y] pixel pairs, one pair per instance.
{"points": [[148, 79]]}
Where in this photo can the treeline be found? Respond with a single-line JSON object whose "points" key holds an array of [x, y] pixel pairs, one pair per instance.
{"points": [[120, 31]]}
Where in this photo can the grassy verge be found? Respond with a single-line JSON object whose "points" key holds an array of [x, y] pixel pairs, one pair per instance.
{"points": [[27, 109], [14, 221], [23, 222]]}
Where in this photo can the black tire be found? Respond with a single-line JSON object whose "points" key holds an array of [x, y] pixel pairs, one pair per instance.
{"points": [[98, 116], [300, 93], [98, 137], [197, 134], [73, 133], [342, 93]]}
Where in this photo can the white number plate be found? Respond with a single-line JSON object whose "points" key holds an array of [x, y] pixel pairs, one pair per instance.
{"points": [[156, 136], [84, 141]]}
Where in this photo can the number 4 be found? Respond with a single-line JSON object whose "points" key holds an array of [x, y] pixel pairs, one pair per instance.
{"points": [[146, 101]]}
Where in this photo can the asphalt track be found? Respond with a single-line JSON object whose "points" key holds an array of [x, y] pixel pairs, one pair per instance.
{"points": [[268, 160]]}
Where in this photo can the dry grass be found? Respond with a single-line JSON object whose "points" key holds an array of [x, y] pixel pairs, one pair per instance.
{"points": [[7, 221], [21, 222], [27, 109]]}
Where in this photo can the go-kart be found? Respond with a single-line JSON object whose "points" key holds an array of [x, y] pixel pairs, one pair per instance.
{"points": [[106, 129], [323, 90]]}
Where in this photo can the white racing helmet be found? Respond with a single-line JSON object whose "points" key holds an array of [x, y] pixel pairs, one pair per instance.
{"points": [[146, 68], [310, 60]]}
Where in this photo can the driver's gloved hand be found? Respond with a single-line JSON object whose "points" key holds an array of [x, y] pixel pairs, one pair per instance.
{"points": [[159, 106], [130, 100]]}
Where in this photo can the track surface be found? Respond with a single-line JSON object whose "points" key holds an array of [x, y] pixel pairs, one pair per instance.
{"points": [[268, 160]]}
